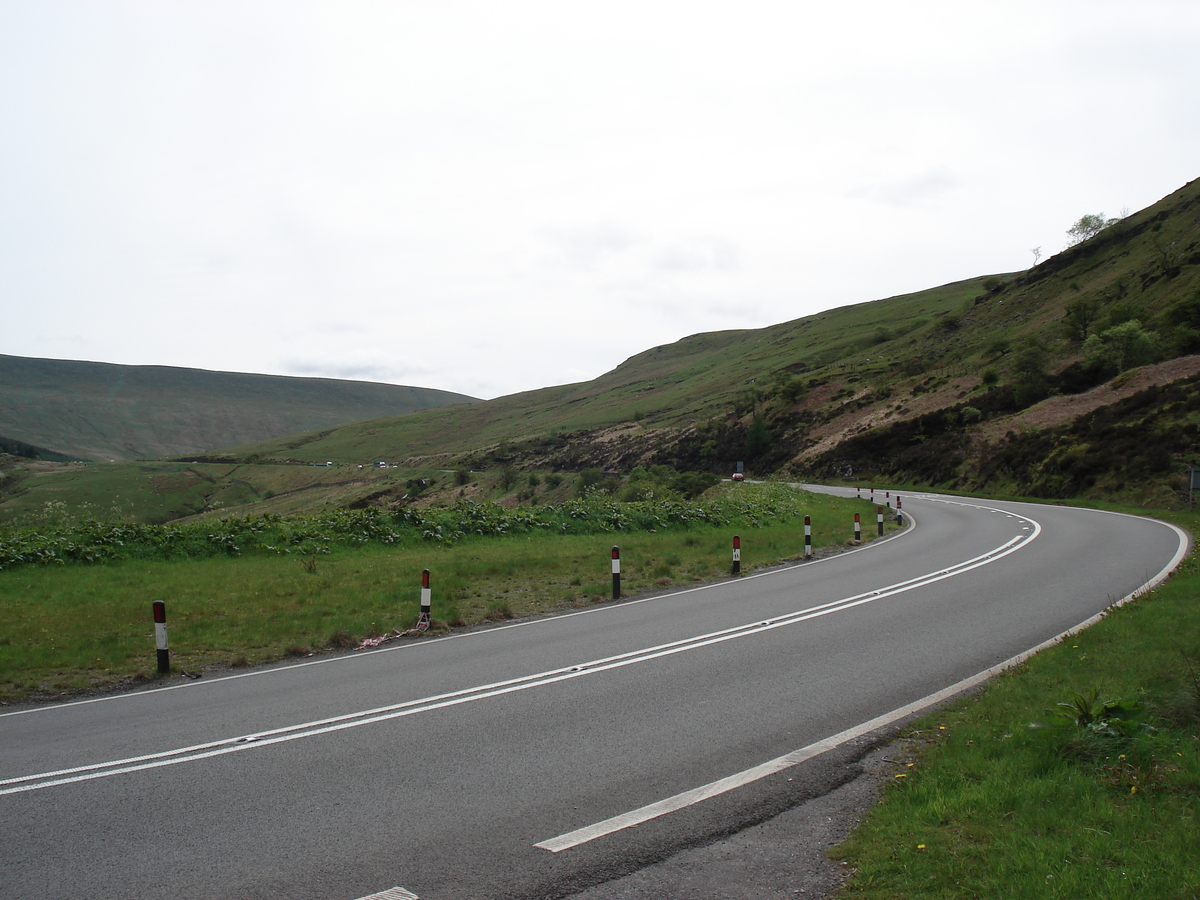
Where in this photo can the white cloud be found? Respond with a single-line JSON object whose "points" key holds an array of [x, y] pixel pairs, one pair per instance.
{"points": [[492, 197]]}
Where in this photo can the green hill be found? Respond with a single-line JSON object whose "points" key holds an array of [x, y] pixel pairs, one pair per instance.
{"points": [[1050, 382], [102, 411]]}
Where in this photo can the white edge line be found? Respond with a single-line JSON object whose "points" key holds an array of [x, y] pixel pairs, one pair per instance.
{"points": [[724, 785]]}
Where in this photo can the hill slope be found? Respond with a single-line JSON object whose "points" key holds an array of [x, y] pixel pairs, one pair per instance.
{"points": [[998, 345], [103, 411], [1037, 382]]}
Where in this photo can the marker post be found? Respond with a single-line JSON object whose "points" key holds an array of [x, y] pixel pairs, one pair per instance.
{"points": [[424, 620], [160, 637]]}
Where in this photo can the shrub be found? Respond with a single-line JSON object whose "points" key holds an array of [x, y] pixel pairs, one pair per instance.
{"points": [[1121, 347]]}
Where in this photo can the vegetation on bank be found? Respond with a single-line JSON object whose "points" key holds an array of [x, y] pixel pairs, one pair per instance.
{"points": [[85, 540], [1075, 775], [238, 596]]}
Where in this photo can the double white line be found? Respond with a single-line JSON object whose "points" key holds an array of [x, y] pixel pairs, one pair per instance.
{"points": [[41, 780]]}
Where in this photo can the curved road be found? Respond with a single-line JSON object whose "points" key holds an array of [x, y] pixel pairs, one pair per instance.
{"points": [[537, 759]]}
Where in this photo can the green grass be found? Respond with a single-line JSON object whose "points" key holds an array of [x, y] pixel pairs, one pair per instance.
{"points": [[75, 627], [990, 807]]}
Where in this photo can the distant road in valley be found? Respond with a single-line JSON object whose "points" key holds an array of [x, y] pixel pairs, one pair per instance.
{"points": [[535, 759]]}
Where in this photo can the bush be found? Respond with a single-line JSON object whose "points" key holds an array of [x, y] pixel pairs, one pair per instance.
{"points": [[1121, 347], [93, 542]]}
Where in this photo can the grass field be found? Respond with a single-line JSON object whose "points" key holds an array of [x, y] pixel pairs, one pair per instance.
{"points": [[66, 628]]}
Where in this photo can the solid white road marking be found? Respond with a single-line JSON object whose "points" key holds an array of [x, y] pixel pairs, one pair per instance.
{"points": [[396, 893]]}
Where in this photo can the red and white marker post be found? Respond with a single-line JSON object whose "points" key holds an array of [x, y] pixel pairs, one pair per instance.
{"points": [[737, 555], [616, 572], [879, 517], [899, 513], [857, 529], [160, 637], [424, 619]]}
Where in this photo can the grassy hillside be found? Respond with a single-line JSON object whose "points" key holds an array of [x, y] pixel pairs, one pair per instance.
{"points": [[623, 415], [979, 383], [101, 411], [1051, 383]]}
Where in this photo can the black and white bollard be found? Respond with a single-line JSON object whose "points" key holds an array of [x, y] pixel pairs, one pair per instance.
{"points": [[160, 637], [807, 537], [879, 516], [857, 529], [424, 620], [616, 572], [737, 555]]}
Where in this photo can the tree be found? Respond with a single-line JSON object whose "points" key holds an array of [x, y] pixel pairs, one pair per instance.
{"points": [[1031, 382], [758, 438], [1081, 316], [1088, 226], [1121, 347]]}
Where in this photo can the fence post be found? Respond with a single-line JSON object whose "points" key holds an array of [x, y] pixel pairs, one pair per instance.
{"points": [[616, 572], [160, 637], [737, 555]]}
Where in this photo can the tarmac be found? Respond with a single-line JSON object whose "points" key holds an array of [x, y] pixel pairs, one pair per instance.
{"points": [[782, 858]]}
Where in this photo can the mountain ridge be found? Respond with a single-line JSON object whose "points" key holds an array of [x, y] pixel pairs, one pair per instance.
{"points": [[108, 411]]}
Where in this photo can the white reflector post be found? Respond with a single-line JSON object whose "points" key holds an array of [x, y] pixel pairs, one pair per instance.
{"points": [[160, 637]]}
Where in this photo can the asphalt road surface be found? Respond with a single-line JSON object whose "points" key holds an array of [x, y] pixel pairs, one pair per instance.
{"points": [[539, 759]]}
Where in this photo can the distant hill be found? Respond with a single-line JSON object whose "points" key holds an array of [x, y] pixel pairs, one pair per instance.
{"points": [[1078, 378], [101, 411]]}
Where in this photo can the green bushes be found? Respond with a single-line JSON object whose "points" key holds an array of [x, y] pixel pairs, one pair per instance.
{"points": [[90, 541]]}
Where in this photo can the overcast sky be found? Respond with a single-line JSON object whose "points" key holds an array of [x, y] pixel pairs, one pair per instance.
{"points": [[489, 197]]}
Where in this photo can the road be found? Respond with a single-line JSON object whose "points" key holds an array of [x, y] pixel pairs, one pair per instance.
{"points": [[537, 759]]}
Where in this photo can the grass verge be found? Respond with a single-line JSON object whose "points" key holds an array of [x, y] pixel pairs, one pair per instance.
{"points": [[66, 629], [1074, 775]]}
